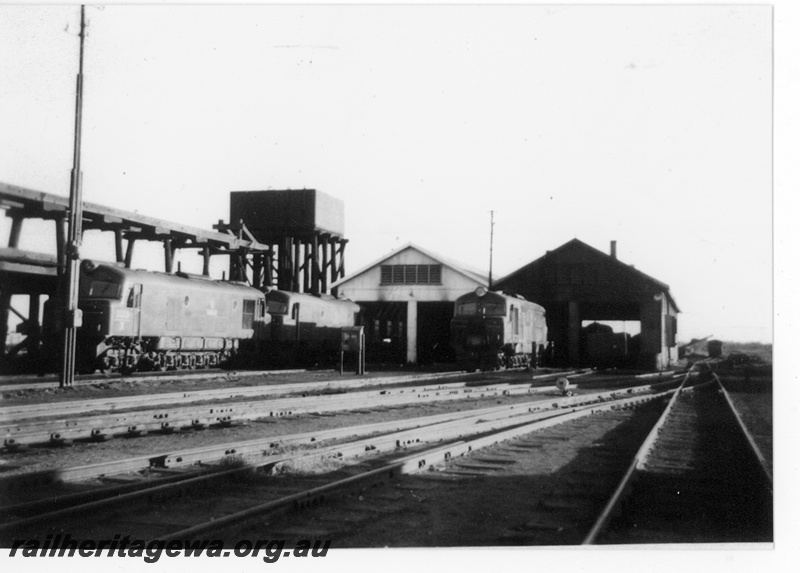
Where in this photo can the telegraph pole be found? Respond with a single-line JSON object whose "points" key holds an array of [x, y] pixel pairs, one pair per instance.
{"points": [[72, 315], [491, 246]]}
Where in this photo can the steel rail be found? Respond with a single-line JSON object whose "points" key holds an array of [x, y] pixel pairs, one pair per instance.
{"points": [[100, 426], [63, 408], [125, 403], [755, 450], [256, 447], [98, 404], [51, 380], [441, 431], [88, 380], [108, 496], [413, 463], [270, 444], [636, 463], [484, 415], [52, 409]]}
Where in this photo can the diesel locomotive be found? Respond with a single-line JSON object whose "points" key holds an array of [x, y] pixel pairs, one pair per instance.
{"points": [[144, 320], [304, 328], [491, 330]]}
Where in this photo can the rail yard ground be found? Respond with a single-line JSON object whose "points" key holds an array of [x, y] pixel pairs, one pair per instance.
{"points": [[543, 487]]}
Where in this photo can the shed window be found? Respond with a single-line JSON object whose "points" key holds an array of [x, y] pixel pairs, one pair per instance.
{"points": [[411, 274]]}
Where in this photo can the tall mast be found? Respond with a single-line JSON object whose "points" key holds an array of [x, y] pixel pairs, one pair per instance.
{"points": [[72, 316], [491, 246]]}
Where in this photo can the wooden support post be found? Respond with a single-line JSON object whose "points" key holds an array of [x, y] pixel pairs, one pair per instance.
{"points": [[341, 258], [239, 272], [296, 271], [5, 306], [129, 252], [258, 265], [269, 267], [120, 253], [168, 255], [285, 264], [304, 253], [34, 328], [16, 231], [315, 278], [5, 296], [334, 266], [206, 260], [325, 263]]}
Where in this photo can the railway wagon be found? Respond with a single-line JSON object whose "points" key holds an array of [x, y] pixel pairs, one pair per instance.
{"points": [[604, 348], [136, 319], [492, 330], [306, 328]]}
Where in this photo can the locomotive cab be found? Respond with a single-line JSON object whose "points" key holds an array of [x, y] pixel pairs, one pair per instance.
{"points": [[491, 330], [111, 304], [478, 320]]}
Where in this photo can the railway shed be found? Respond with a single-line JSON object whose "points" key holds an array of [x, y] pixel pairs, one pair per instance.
{"points": [[578, 284], [408, 297]]}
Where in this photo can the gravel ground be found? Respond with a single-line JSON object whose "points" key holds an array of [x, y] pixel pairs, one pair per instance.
{"points": [[754, 405], [457, 507]]}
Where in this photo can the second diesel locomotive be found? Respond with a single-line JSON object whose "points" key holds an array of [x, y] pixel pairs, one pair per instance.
{"points": [[144, 320], [306, 329], [492, 330]]}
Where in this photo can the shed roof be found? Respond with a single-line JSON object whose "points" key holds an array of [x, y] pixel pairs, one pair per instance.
{"points": [[471, 273], [578, 245]]}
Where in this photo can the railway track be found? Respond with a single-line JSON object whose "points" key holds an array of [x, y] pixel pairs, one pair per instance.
{"points": [[129, 416], [700, 477], [535, 475], [384, 454], [273, 443], [547, 485]]}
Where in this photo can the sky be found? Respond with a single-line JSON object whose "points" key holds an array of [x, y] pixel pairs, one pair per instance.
{"points": [[648, 125]]}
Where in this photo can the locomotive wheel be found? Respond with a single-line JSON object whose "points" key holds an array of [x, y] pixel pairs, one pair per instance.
{"points": [[131, 364], [105, 365], [146, 364], [127, 369]]}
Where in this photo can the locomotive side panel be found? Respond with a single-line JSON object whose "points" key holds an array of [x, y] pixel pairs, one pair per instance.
{"points": [[144, 319]]}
